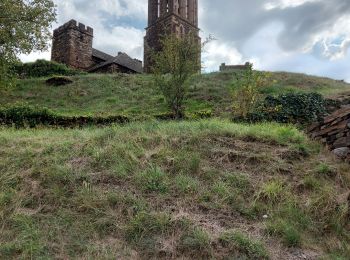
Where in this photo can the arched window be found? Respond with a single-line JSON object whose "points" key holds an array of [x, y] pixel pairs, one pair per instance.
{"points": [[167, 6]]}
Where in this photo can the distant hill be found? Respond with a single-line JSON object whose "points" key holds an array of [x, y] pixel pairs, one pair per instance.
{"points": [[134, 95]]}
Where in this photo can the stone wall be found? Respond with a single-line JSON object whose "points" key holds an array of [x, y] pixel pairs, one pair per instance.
{"points": [[72, 45], [334, 131], [224, 67]]}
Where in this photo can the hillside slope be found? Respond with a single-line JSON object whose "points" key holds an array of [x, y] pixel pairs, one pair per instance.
{"points": [[171, 190], [135, 95]]}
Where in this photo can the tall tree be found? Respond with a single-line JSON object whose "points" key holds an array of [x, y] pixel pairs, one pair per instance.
{"points": [[24, 27]]}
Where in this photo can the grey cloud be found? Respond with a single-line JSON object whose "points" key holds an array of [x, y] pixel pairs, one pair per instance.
{"points": [[237, 20]]}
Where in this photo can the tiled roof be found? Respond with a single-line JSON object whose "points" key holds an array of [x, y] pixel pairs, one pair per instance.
{"points": [[101, 55], [123, 60]]}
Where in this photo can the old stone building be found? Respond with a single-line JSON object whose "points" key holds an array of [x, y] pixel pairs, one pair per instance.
{"points": [[168, 16], [72, 45]]}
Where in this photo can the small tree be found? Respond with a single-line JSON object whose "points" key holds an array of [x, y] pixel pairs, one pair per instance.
{"points": [[24, 27], [245, 90], [173, 66]]}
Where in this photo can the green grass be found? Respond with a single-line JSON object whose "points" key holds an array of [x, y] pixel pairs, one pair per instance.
{"points": [[169, 190], [135, 95], [238, 241]]}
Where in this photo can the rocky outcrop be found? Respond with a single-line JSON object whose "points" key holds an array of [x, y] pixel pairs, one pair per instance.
{"points": [[334, 131]]}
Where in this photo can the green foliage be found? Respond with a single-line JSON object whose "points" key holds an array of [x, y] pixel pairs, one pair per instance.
{"points": [[24, 28], [246, 91], [22, 115], [237, 241], [173, 66], [300, 108], [43, 68]]}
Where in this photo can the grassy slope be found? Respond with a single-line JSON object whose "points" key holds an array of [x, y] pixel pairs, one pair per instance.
{"points": [[135, 95], [177, 189]]}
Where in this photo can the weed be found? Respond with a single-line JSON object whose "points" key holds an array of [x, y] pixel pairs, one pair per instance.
{"points": [[271, 191], [311, 182], [290, 235], [235, 240], [153, 180], [325, 170], [196, 240], [186, 184], [145, 225]]}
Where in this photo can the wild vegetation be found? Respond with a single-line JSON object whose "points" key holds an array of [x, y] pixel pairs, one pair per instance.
{"points": [[136, 97], [181, 189], [206, 189]]}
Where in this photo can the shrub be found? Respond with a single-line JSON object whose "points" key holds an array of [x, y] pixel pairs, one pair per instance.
{"points": [[246, 91], [22, 115], [43, 68], [173, 67], [290, 108]]}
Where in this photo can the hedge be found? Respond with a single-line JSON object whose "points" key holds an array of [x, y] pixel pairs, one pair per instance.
{"points": [[21, 115], [43, 68]]}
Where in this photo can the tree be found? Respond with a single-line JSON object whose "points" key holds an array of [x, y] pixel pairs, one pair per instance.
{"points": [[177, 61], [24, 27]]}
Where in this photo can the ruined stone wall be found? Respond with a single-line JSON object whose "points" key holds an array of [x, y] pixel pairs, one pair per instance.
{"points": [[225, 67], [72, 45], [334, 131]]}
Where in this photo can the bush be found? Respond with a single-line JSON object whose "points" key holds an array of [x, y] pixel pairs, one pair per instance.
{"points": [[22, 115], [246, 91], [43, 68], [290, 108]]}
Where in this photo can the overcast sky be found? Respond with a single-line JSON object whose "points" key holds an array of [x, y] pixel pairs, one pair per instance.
{"points": [[308, 36]]}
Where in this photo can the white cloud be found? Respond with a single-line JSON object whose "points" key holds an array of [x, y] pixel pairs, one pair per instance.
{"points": [[217, 52]]}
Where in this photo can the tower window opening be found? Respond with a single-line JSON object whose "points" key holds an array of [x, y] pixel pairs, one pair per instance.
{"points": [[167, 6], [187, 15], [158, 8]]}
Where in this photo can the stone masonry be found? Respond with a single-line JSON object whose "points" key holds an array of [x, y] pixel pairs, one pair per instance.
{"points": [[72, 45], [168, 16], [224, 67], [334, 131]]}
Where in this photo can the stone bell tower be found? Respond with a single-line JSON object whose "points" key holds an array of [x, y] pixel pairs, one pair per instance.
{"points": [[168, 16]]}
